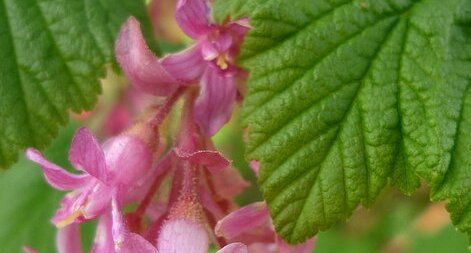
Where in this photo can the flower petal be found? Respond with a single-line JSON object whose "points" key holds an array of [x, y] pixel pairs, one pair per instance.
{"points": [[242, 220], [260, 247], [29, 249], [255, 166], [68, 239], [209, 204], [97, 202], [141, 66], [56, 176], [236, 247], [208, 51], [211, 48], [182, 236], [239, 27], [103, 241], [186, 66], [86, 154], [229, 183], [119, 228], [213, 107], [193, 17], [72, 205], [213, 160], [135, 243], [125, 241]]}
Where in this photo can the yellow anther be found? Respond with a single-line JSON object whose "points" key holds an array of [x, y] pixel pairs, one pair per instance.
{"points": [[69, 219], [222, 62]]}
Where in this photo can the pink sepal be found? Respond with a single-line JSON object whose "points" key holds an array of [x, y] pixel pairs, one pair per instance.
{"points": [[136, 243], [255, 166], [124, 240], [97, 202], [68, 239], [229, 183], [86, 154], [213, 160], [235, 247], [213, 107], [141, 66], [186, 66], [29, 249], [242, 220], [103, 241], [193, 17], [56, 176]]}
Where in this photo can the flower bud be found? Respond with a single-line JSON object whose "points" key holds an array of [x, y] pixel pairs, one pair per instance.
{"points": [[184, 231]]}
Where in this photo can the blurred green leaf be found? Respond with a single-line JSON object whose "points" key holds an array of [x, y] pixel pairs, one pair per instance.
{"points": [[446, 240]]}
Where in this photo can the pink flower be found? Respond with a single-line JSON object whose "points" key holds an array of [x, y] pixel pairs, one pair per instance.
{"points": [[29, 249], [183, 236], [184, 231], [107, 169], [68, 239], [113, 236], [177, 235], [252, 225], [210, 61]]}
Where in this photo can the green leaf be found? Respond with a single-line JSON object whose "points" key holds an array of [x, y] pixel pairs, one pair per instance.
{"points": [[28, 202], [53, 53], [233, 8], [346, 96]]}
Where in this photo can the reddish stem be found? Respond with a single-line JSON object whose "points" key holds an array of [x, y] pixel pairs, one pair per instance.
{"points": [[162, 169], [166, 107]]}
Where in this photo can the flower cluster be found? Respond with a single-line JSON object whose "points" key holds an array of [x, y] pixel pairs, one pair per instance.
{"points": [[150, 198]]}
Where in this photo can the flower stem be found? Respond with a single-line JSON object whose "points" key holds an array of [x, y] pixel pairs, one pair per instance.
{"points": [[166, 107], [161, 169]]}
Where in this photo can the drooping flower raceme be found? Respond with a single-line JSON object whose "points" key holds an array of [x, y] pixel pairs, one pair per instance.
{"points": [[209, 62], [180, 200]]}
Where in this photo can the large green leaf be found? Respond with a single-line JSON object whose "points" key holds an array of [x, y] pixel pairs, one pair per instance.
{"points": [[52, 54], [233, 8], [345, 96]]}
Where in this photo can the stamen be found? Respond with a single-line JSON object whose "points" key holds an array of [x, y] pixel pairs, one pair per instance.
{"points": [[222, 62], [67, 220]]}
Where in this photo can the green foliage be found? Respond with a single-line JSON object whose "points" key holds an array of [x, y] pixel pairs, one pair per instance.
{"points": [[53, 53], [233, 8], [346, 96]]}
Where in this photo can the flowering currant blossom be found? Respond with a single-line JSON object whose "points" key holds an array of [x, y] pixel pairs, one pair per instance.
{"points": [[252, 225], [108, 168], [179, 235], [183, 200], [210, 61], [183, 224]]}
